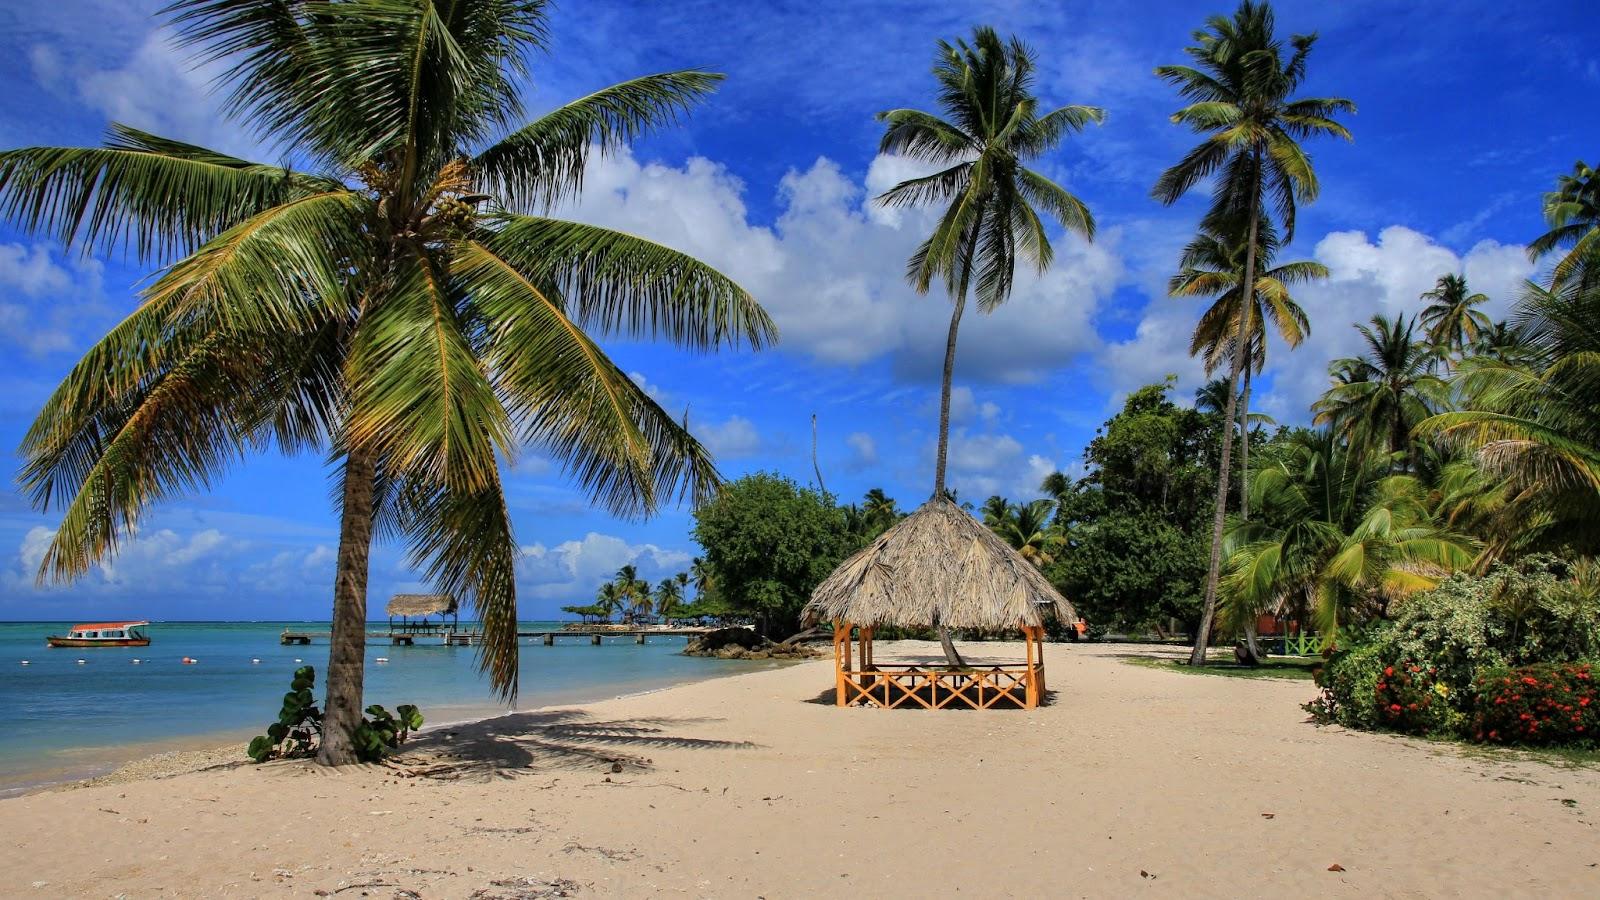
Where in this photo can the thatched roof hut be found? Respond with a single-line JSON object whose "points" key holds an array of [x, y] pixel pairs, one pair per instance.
{"points": [[938, 566], [421, 605]]}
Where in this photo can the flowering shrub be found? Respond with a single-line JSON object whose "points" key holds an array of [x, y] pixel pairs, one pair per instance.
{"points": [[1411, 699], [1550, 703]]}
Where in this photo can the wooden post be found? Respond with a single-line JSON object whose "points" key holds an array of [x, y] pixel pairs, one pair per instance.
{"points": [[550, 639], [841, 648], [595, 639], [638, 638], [1032, 683]]}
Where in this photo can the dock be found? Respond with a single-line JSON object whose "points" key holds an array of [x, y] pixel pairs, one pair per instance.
{"points": [[452, 637]]}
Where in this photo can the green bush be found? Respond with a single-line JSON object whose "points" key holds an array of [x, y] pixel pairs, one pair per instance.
{"points": [[1547, 704], [298, 731], [1419, 673]]}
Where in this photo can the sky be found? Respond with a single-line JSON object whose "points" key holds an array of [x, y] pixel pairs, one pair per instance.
{"points": [[1467, 113]]}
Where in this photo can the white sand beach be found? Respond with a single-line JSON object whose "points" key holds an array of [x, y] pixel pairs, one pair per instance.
{"points": [[1133, 781]]}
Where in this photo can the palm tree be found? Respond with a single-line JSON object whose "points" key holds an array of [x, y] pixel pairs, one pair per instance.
{"points": [[878, 510], [990, 129], [1502, 341], [1336, 536], [669, 596], [1213, 265], [1534, 423], [609, 599], [397, 303], [1450, 319], [995, 510], [1383, 394], [1026, 527], [633, 591], [1572, 211], [1240, 97]]}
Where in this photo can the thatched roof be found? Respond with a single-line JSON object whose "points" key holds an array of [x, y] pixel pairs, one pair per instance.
{"points": [[421, 604], [940, 566]]}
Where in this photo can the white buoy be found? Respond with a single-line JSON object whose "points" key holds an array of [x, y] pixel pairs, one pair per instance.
{"points": [[82, 661], [254, 661], [24, 662], [137, 660], [382, 659], [297, 659]]}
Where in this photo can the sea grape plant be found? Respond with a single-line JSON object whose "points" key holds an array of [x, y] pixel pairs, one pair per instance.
{"points": [[298, 731]]}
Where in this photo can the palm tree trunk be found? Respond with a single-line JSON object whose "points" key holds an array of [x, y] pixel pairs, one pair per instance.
{"points": [[1244, 447], [950, 655], [341, 713], [1208, 611]]}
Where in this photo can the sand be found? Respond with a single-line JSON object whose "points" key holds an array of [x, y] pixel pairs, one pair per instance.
{"points": [[1134, 781]]}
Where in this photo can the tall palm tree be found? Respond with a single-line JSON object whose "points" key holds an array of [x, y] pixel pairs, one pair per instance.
{"points": [[990, 129], [1502, 341], [668, 597], [1336, 536], [1384, 393], [633, 590], [398, 302], [1240, 91], [1534, 423], [1213, 266], [1451, 322], [609, 600], [1572, 211]]}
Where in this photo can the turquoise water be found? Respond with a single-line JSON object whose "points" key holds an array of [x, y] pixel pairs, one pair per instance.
{"points": [[65, 718]]}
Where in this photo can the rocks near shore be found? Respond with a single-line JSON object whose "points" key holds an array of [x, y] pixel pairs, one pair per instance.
{"points": [[742, 643]]}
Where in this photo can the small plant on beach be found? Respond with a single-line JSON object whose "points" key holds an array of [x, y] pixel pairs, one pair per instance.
{"points": [[298, 731]]}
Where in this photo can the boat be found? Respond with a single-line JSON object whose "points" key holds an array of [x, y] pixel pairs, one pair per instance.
{"points": [[103, 634]]}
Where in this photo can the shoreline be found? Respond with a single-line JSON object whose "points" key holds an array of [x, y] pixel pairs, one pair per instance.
{"points": [[118, 764]]}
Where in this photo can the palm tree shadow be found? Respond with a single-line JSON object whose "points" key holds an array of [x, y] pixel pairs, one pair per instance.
{"points": [[559, 739]]}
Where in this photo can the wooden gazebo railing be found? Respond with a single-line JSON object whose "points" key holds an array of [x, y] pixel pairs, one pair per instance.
{"points": [[861, 680]]}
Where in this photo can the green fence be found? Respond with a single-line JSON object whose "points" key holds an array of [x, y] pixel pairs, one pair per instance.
{"points": [[1302, 644]]}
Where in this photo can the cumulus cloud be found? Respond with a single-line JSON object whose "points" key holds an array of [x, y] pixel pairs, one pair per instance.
{"points": [[44, 299], [965, 408], [154, 558], [572, 570], [1366, 276], [730, 439], [863, 450], [830, 268], [992, 463]]}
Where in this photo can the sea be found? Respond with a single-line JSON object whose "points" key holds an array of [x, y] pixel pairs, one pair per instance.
{"points": [[74, 713]]}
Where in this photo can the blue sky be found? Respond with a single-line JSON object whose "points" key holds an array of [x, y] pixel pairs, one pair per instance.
{"points": [[1468, 111]]}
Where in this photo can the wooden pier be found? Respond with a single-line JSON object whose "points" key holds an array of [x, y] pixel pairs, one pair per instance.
{"points": [[452, 637]]}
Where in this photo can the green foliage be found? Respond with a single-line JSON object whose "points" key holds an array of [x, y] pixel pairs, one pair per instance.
{"points": [[768, 543], [1540, 705], [1422, 671], [298, 731]]}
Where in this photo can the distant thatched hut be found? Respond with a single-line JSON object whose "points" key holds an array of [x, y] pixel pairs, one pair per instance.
{"points": [[937, 567], [415, 611]]}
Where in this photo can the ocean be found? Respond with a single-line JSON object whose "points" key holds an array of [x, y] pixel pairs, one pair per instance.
{"points": [[62, 720]]}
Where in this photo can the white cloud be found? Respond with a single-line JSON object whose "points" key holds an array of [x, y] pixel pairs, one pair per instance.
{"points": [[863, 448], [830, 270], [965, 408], [44, 299], [160, 557], [992, 463], [653, 391], [572, 570], [1365, 277], [733, 438]]}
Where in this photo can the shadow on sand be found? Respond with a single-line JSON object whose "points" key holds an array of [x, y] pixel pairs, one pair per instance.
{"points": [[528, 742]]}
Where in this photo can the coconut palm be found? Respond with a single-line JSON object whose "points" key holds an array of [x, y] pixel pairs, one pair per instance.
{"points": [[1240, 96], [1572, 211], [668, 597], [399, 302], [633, 591], [1534, 424], [995, 511], [1383, 394], [1336, 536], [878, 510], [1026, 527], [609, 600], [1502, 341], [1213, 266], [1451, 322], [991, 128]]}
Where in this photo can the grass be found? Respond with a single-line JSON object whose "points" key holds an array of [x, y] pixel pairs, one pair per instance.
{"points": [[1285, 668]]}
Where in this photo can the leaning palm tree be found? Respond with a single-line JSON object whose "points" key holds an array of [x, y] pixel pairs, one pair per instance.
{"points": [[990, 129], [1572, 211], [1027, 528], [1451, 321], [668, 597], [1240, 97], [399, 302], [1213, 266], [1383, 394]]}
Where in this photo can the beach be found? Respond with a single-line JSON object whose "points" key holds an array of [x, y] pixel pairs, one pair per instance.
{"points": [[1132, 780]]}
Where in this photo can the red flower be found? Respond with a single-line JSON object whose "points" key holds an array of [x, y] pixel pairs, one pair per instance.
{"points": [[1394, 707], [1388, 670]]}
